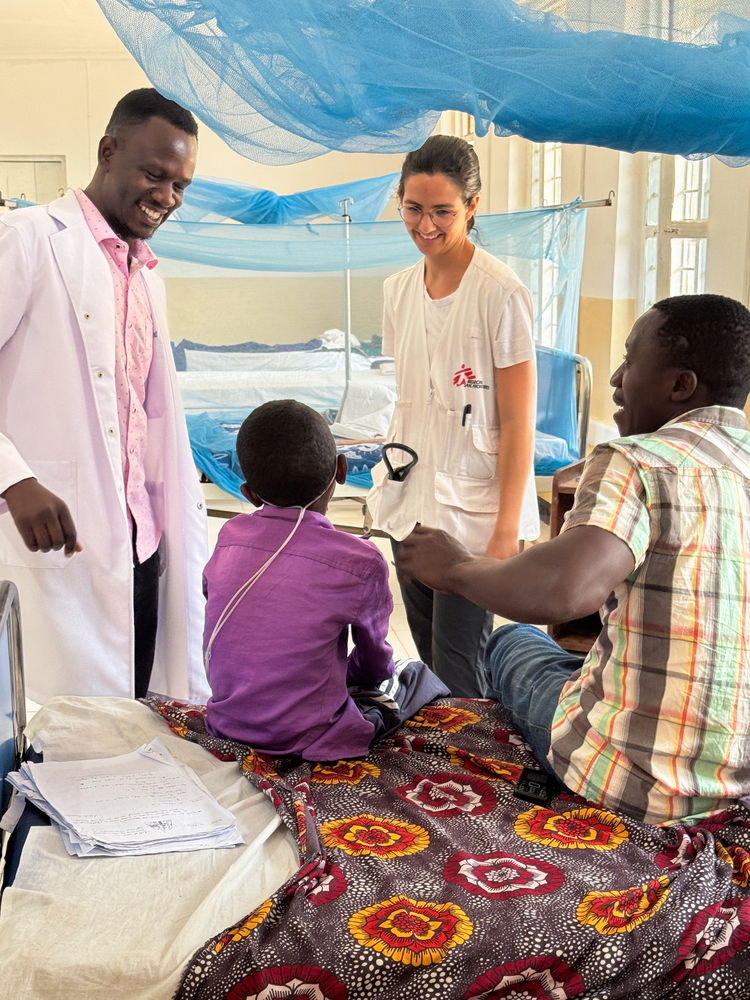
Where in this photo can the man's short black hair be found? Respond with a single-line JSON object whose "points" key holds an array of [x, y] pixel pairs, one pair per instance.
{"points": [[710, 335], [140, 105], [286, 452]]}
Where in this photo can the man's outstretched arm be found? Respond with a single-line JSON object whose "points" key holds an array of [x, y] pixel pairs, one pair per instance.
{"points": [[568, 577]]}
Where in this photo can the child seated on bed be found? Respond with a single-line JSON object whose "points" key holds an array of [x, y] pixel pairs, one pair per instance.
{"points": [[283, 588]]}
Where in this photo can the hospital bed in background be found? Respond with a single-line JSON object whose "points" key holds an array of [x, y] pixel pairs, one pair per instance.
{"points": [[562, 412], [434, 867], [221, 385]]}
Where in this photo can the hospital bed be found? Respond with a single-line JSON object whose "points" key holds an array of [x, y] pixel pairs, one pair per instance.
{"points": [[220, 385], [416, 873], [125, 928], [223, 385]]}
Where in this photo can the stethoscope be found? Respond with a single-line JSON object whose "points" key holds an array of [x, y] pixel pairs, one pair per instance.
{"points": [[400, 473]]}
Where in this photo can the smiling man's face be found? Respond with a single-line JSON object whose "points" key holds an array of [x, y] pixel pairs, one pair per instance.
{"points": [[146, 169], [645, 380]]}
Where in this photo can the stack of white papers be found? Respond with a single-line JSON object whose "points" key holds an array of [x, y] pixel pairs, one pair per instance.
{"points": [[144, 802]]}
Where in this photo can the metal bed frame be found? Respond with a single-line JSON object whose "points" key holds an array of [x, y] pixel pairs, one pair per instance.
{"points": [[13, 711]]}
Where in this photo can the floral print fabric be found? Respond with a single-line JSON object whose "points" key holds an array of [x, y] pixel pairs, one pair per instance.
{"points": [[422, 877]]}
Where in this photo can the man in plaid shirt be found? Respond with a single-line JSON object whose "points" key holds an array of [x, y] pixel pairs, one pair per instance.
{"points": [[655, 721]]}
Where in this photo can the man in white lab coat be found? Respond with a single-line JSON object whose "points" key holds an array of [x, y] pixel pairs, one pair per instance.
{"points": [[102, 522]]}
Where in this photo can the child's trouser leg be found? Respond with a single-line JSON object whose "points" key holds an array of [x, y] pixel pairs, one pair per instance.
{"points": [[412, 686]]}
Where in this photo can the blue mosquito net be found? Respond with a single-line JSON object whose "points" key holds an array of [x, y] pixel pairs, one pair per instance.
{"points": [[212, 199], [285, 81], [544, 246]]}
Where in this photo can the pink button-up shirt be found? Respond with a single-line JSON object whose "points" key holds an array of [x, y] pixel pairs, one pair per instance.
{"points": [[134, 336]]}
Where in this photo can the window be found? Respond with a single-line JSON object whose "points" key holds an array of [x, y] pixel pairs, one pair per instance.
{"points": [[546, 189], [457, 123], [676, 227], [546, 174]]}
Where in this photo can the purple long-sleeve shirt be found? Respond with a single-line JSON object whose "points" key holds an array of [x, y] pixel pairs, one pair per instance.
{"points": [[279, 666]]}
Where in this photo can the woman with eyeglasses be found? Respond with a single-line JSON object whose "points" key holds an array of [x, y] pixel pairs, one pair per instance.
{"points": [[459, 324]]}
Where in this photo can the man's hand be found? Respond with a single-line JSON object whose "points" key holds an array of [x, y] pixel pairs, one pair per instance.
{"points": [[42, 518], [429, 555]]}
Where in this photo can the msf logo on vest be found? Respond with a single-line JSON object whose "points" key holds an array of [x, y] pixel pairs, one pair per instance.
{"points": [[465, 376]]}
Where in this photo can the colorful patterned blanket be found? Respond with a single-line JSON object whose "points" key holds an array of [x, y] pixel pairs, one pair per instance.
{"points": [[422, 877]]}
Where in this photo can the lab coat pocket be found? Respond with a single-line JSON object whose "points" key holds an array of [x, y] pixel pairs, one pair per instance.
{"points": [[60, 478]]}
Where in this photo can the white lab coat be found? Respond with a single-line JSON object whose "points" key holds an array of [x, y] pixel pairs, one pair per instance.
{"points": [[454, 485], [59, 422]]}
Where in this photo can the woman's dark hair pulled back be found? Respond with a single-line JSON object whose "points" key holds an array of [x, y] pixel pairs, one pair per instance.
{"points": [[448, 155]]}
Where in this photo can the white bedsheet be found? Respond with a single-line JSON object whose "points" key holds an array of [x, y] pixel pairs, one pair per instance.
{"points": [[369, 402], [274, 361], [124, 928]]}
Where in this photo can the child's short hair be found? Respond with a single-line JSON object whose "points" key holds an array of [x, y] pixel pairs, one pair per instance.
{"points": [[286, 452]]}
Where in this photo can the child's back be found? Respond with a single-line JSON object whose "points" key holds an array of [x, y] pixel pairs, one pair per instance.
{"points": [[279, 667]]}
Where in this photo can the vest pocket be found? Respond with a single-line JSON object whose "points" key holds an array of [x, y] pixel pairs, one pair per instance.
{"points": [[386, 505], [470, 451], [482, 462], [478, 496]]}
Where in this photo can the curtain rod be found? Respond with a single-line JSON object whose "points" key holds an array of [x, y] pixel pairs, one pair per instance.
{"points": [[599, 203]]}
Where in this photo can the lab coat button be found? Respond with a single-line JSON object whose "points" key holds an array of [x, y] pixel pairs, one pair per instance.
{"points": [[200, 506], [87, 315]]}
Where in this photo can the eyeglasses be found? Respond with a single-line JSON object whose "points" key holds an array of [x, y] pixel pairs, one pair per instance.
{"points": [[440, 217]]}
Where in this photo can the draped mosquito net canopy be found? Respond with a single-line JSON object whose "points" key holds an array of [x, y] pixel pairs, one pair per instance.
{"points": [[285, 80]]}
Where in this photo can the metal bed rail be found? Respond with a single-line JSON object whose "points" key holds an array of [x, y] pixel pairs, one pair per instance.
{"points": [[10, 631], [584, 374]]}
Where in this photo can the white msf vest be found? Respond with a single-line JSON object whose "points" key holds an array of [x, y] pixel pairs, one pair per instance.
{"points": [[454, 485]]}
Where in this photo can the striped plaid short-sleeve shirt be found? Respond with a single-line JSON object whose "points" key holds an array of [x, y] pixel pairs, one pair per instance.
{"points": [[657, 723]]}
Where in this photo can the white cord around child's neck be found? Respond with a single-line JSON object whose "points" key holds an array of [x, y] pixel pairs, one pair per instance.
{"points": [[238, 595]]}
